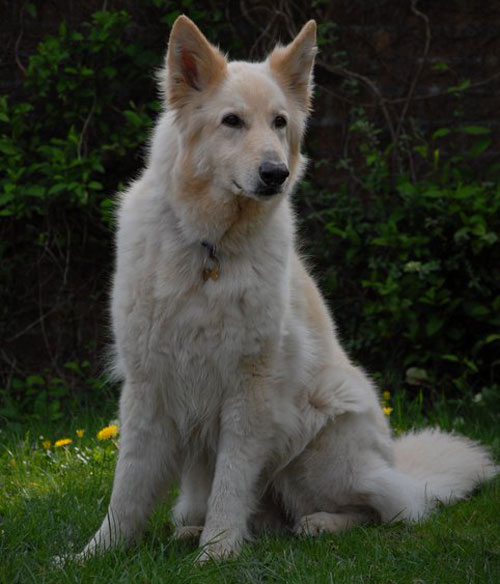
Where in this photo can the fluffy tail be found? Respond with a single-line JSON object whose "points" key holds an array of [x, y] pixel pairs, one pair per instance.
{"points": [[431, 466], [449, 466]]}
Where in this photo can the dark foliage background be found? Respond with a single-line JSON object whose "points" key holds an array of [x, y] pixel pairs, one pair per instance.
{"points": [[399, 212]]}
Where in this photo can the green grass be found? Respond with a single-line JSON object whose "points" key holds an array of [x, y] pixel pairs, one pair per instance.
{"points": [[52, 501]]}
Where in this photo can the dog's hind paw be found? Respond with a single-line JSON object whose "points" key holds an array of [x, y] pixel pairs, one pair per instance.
{"points": [[318, 523]]}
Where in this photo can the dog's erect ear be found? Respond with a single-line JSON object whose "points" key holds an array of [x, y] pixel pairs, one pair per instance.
{"points": [[293, 64], [193, 64]]}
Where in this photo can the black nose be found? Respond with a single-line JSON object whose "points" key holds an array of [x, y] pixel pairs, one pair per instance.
{"points": [[273, 174]]}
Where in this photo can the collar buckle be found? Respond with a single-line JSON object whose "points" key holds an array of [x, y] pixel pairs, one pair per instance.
{"points": [[211, 265]]}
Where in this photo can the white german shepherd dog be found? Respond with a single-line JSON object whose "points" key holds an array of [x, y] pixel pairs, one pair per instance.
{"points": [[235, 385]]}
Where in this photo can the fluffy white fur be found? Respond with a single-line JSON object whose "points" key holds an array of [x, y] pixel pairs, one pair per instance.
{"points": [[238, 388]]}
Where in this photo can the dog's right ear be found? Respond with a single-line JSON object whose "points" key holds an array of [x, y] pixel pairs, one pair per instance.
{"points": [[192, 63]]}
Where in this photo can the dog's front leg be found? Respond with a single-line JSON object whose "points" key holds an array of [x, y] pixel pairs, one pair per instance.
{"points": [[244, 445], [147, 464]]}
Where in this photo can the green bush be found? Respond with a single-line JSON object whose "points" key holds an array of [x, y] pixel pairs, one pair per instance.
{"points": [[409, 259], [414, 267], [72, 135], [76, 120]]}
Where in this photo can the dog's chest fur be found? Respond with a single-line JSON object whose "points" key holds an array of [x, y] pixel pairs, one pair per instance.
{"points": [[196, 343]]}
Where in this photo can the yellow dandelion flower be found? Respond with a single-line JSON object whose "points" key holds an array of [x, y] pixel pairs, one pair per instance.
{"points": [[387, 411], [63, 442], [386, 395], [80, 433], [46, 444], [107, 432]]}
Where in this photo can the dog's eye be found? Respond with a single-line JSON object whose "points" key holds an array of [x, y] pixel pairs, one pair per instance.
{"points": [[280, 122], [233, 121]]}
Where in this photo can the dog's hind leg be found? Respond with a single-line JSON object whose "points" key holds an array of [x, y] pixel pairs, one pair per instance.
{"points": [[395, 495], [145, 467], [188, 514], [321, 522]]}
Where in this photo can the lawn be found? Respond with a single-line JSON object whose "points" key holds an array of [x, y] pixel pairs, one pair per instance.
{"points": [[52, 498]]}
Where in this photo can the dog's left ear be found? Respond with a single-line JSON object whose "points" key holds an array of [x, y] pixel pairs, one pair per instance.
{"points": [[293, 64], [193, 64]]}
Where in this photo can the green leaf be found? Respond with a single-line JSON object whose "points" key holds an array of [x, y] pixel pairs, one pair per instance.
{"points": [[73, 366], [475, 130], [107, 203], [441, 133], [471, 365], [171, 17], [6, 198], [335, 230], [433, 325], [460, 87], [422, 150], [7, 147], [57, 188], [31, 9], [479, 147], [35, 191], [475, 309], [440, 67], [433, 192], [134, 118], [35, 380]]}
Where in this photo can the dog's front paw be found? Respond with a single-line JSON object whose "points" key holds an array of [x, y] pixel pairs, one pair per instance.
{"points": [[220, 545]]}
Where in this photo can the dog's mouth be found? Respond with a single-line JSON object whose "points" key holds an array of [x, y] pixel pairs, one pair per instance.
{"points": [[261, 192], [268, 191]]}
